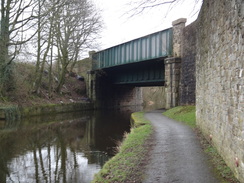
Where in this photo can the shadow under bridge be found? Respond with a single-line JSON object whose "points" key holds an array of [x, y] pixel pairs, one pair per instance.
{"points": [[139, 62]]}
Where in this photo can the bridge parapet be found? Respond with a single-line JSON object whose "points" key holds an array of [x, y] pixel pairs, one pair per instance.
{"points": [[152, 46]]}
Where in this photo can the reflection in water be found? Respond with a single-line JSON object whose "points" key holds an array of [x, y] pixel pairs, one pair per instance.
{"points": [[54, 150], [50, 165]]}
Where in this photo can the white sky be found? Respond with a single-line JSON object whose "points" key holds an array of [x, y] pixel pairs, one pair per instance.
{"points": [[119, 28]]}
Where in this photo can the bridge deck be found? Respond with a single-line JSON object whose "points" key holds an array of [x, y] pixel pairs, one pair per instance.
{"points": [[153, 46], [147, 73]]}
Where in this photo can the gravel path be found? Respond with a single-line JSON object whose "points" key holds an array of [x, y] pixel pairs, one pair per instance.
{"points": [[176, 156]]}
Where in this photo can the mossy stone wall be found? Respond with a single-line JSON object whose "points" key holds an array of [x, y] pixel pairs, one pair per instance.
{"points": [[47, 109]]}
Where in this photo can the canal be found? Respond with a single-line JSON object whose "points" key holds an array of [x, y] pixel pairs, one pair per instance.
{"points": [[67, 148]]}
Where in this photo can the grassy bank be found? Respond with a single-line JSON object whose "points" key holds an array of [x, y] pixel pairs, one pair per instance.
{"points": [[127, 165], [187, 115]]}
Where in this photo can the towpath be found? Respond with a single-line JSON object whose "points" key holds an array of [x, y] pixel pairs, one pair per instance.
{"points": [[176, 155]]}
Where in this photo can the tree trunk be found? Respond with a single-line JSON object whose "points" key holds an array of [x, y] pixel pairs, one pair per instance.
{"points": [[38, 60], [6, 74], [61, 79], [49, 42], [50, 82]]}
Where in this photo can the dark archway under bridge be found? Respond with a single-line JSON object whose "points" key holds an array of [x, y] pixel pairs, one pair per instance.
{"points": [[121, 85]]}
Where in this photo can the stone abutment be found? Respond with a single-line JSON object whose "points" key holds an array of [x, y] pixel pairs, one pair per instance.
{"points": [[220, 78]]}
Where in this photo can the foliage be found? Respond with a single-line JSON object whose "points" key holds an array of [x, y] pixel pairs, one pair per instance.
{"points": [[23, 74], [185, 114], [12, 115], [126, 166]]}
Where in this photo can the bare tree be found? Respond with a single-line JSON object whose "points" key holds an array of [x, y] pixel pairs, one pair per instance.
{"points": [[140, 6], [63, 28], [76, 27], [44, 38], [15, 19]]}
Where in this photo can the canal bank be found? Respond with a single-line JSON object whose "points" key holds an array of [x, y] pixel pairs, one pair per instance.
{"points": [[16, 112], [128, 165]]}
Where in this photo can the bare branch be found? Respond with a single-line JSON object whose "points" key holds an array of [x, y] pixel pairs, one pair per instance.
{"points": [[139, 7]]}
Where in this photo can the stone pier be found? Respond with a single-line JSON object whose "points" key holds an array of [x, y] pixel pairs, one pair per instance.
{"points": [[173, 65], [172, 78]]}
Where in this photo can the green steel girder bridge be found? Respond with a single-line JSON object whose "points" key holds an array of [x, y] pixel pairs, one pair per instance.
{"points": [[139, 62]]}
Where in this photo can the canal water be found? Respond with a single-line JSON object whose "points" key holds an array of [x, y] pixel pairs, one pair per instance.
{"points": [[67, 148]]}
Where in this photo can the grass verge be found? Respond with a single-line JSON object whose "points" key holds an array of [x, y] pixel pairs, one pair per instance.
{"points": [[187, 115], [126, 165]]}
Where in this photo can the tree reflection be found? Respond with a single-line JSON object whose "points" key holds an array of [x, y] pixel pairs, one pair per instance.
{"points": [[71, 150], [36, 166], [52, 153]]}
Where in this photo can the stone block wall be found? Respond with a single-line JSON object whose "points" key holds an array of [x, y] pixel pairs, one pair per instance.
{"points": [[220, 79], [153, 97], [188, 77], [178, 27], [172, 79]]}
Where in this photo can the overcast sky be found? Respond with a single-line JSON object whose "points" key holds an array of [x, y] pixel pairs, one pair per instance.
{"points": [[119, 28]]}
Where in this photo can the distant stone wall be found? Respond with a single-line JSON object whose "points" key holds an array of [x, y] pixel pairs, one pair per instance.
{"points": [[108, 95], [153, 97], [220, 79], [188, 57]]}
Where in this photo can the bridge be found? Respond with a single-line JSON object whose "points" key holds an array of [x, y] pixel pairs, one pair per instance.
{"points": [[139, 62], [151, 60]]}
